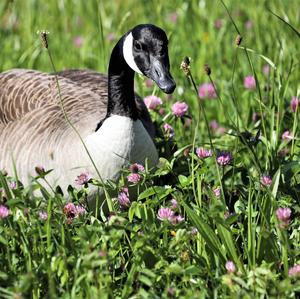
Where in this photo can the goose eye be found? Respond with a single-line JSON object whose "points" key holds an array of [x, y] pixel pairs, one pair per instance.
{"points": [[138, 46]]}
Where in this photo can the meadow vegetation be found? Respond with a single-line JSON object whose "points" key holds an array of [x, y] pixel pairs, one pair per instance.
{"points": [[219, 216]]}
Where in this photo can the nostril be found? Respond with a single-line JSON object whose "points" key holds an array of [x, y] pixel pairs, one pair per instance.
{"points": [[157, 73]]}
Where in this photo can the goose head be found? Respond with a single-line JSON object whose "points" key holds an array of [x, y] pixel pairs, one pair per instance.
{"points": [[145, 50]]}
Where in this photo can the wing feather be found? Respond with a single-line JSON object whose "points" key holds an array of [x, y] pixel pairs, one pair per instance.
{"points": [[22, 92], [32, 124], [97, 82]]}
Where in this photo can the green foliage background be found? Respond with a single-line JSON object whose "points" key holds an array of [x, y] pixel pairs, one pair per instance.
{"points": [[133, 254]]}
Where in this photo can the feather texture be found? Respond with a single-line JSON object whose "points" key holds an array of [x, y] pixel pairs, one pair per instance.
{"points": [[112, 120], [33, 130]]}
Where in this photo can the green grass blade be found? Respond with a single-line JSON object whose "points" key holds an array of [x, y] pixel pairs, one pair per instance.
{"points": [[206, 232]]}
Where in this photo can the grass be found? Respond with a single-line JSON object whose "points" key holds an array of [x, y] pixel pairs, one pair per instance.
{"points": [[131, 253]]}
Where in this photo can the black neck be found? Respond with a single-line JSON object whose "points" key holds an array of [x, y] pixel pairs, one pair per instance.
{"points": [[121, 100]]}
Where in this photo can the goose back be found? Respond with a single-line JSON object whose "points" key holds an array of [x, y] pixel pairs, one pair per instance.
{"points": [[32, 124], [94, 81]]}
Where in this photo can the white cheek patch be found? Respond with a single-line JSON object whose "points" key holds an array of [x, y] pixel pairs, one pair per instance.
{"points": [[128, 55]]}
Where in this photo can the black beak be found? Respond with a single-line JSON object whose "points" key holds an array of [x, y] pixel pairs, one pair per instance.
{"points": [[161, 75]]}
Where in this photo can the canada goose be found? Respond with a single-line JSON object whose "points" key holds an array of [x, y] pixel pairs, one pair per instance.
{"points": [[33, 130]]}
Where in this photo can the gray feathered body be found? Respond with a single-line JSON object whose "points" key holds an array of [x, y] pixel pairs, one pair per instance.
{"points": [[34, 131]]}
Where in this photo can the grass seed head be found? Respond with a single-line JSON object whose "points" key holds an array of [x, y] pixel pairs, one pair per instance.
{"points": [[185, 66], [207, 69], [44, 39], [238, 40]]}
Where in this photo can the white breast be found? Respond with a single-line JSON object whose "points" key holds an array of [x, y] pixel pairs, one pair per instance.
{"points": [[119, 142]]}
